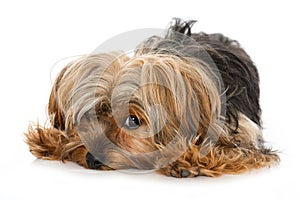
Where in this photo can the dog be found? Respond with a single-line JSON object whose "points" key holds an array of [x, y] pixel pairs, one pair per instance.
{"points": [[185, 105]]}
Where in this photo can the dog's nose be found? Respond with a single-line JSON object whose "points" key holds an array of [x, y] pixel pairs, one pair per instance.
{"points": [[92, 162]]}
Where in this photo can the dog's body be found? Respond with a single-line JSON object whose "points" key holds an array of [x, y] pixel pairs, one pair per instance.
{"points": [[185, 105]]}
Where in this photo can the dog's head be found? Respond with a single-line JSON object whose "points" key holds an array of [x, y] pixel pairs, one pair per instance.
{"points": [[136, 112]]}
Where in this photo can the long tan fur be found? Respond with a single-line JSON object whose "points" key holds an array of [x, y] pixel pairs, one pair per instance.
{"points": [[182, 132]]}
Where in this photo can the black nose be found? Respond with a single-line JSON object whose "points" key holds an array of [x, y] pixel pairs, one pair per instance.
{"points": [[92, 162]]}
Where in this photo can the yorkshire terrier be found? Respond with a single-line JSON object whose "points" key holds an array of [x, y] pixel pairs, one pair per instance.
{"points": [[185, 105]]}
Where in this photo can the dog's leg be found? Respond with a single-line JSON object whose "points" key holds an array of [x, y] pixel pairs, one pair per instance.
{"points": [[54, 144], [45, 143], [220, 160]]}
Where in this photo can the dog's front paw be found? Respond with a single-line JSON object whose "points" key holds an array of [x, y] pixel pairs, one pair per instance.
{"points": [[178, 171]]}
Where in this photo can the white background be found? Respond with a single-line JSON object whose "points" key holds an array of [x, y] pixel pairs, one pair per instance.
{"points": [[36, 34]]}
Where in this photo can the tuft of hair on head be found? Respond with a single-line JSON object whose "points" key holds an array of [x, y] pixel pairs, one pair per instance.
{"points": [[181, 26]]}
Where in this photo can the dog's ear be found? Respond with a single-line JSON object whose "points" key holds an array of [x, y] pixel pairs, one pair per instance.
{"points": [[56, 113], [184, 87], [80, 77]]}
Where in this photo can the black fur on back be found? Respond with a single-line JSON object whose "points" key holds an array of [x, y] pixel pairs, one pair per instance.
{"points": [[239, 74]]}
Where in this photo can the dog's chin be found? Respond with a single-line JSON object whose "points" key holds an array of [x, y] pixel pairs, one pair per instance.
{"points": [[121, 160], [137, 153]]}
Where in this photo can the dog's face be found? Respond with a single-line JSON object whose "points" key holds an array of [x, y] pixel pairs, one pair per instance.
{"points": [[163, 108], [141, 112]]}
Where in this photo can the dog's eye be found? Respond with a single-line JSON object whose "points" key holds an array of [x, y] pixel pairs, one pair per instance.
{"points": [[132, 122]]}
